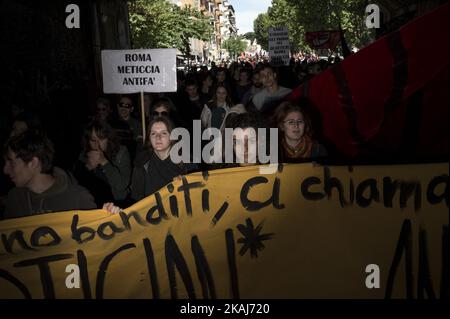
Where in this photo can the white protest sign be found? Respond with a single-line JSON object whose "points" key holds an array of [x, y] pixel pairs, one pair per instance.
{"points": [[279, 47], [133, 71]]}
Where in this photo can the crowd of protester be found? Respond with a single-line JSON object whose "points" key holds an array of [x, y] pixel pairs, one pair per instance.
{"points": [[118, 166]]}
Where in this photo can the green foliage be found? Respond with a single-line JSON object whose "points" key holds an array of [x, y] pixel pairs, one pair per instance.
{"points": [[280, 14], [261, 28], [249, 36], [312, 15], [234, 45], [161, 24], [329, 14]]}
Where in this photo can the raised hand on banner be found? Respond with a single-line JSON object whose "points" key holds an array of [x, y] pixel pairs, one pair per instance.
{"points": [[315, 164], [111, 208]]}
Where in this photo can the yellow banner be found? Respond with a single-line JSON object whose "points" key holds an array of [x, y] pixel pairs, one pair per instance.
{"points": [[302, 232]]}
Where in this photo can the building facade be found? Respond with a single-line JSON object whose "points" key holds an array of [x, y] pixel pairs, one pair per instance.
{"points": [[227, 22], [223, 20]]}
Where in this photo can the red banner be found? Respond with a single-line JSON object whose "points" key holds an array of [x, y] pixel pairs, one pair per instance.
{"points": [[390, 98], [323, 39]]}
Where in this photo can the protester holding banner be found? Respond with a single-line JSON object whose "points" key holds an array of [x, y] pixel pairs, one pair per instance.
{"points": [[104, 166], [296, 141], [25, 121], [40, 187], [153, 167]]}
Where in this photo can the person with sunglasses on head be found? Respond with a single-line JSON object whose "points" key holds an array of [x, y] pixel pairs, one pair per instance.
{"points": [[296, 135], [125, 109], [206, 89], [163, 107]]}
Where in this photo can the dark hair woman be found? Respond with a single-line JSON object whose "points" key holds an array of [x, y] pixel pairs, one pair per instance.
{"points": [[104, 166], [296, 135], [214, 113]]}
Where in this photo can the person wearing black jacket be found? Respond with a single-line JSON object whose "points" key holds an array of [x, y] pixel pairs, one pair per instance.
{"points": [[153, 167]]}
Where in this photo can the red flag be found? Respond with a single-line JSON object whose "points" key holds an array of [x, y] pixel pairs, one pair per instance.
{"points": [[323, 39], [391, 98]]}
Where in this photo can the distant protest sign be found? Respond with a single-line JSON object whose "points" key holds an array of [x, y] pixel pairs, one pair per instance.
{"points": [[133, 71], [323, 39], [303, 232], [279, 47]]}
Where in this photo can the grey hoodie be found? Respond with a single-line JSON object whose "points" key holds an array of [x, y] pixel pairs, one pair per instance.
{"points": [[64, 194]]}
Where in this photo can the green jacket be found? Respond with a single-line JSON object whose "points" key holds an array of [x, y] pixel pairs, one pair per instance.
{"points": [[64, 194]]}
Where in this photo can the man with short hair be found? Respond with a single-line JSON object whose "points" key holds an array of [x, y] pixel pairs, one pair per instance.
{"points": [[40, 187], [272, 92], [256, 87]]}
